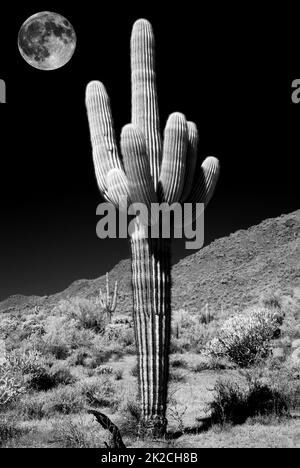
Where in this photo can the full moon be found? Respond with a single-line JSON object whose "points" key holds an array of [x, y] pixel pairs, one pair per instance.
{"points": [[47, 41]]}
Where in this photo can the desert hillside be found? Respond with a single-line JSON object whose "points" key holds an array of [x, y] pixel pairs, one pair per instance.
{"points": [[231, 272]]}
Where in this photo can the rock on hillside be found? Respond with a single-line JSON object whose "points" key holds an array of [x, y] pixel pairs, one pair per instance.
{"points": [[231, 272]]}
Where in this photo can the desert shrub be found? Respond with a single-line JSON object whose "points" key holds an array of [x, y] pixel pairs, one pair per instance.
{"points": [[42, 381], [8, 326], [70, 434], [120, 333], [17, 374], [31, 406], [35, 373], [99, 391], [10, 387], [245, 338], [9, 429], [235, 402], [127, 339], [130, 424], [78, 357], [133, 408], [87, 312], [63, 336], [191, 330], [24, 362], [61, 374], [64, 400], [229, 403], [104, 370], [103, 349]]}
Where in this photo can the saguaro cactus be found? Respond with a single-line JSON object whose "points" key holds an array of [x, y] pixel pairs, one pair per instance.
{"points": [[108, 301], [151, 171]]}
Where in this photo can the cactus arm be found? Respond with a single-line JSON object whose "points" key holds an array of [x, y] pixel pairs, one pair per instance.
{"points": [[191, 160], [117, 184], [115, 296], [205, 181], [145, 113], [107, 291], [174, 157], [108, 302], [105, 153], [101, 300], [137, 167]]}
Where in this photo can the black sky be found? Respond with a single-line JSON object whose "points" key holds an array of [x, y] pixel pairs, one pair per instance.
{"points": [[230, 70]]}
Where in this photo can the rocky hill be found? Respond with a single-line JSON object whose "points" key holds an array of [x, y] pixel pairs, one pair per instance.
{"points": [[231, 272]]}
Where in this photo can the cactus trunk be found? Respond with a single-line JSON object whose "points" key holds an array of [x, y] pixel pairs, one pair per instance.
{"points": [[151, 281]]}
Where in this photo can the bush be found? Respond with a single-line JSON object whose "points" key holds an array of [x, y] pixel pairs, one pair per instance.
{"points": [[99, 391], [11, 387], [79, 356], [9, 429], [120, 333], [234, 403], [70, 434], [131, 423], [18, 373], [25, 363], [61, 374], [64, 400], [31, 371], [104, 370], [86, 312], [63, 336], [32, 406], [245, 338]]}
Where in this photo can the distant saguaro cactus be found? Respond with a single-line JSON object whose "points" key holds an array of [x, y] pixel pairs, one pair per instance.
{"points": [[152, 170], [108, 301]]}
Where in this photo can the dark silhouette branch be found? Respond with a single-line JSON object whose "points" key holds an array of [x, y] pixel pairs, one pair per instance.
{"points": [[116, 440]]}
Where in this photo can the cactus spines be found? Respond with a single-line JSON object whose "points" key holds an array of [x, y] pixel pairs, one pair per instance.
{"points": [[136, 162], [145, 113], [117, 187], [150, 172], [108, 301], [206, 177], [174, 157], [105, 153], [191, 159]]}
